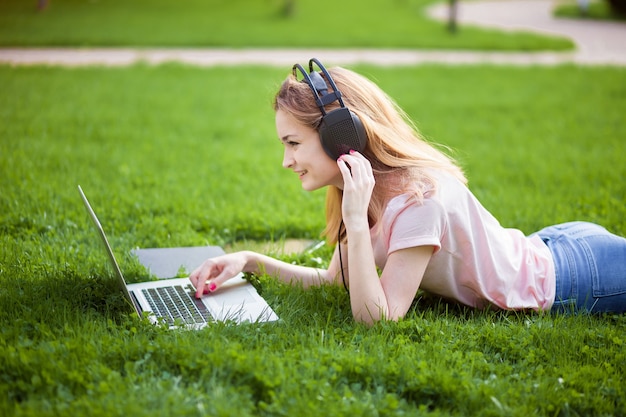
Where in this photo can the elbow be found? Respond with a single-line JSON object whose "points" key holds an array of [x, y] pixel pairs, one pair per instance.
{"points": [[370, 313], [371, 316]]}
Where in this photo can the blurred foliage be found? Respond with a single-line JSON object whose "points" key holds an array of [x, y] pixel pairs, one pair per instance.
{"points": [[249, 23]]}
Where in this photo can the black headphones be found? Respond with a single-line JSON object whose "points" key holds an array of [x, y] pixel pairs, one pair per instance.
{"points": [[340, 130]]}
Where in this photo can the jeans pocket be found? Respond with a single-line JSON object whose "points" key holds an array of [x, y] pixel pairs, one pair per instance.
{"points": [[607, 258]]}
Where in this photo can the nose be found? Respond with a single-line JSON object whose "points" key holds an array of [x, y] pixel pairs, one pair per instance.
{"points": [[287, 158]]}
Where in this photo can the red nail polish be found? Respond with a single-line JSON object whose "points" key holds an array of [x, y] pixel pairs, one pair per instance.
{"points": [[212, 287], [352, 151], [206, 291]]}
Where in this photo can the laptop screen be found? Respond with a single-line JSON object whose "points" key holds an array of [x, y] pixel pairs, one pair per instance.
{"points": [[111, 256]]}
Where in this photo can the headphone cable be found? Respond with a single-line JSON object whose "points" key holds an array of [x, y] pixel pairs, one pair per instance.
{"points": [[343, 278]]}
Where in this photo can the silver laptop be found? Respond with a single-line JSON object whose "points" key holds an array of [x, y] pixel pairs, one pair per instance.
{"points": [[172, 301]]}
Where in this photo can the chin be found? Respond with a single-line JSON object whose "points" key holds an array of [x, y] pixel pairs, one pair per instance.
{"points": [[306, 186], [309, 188]]}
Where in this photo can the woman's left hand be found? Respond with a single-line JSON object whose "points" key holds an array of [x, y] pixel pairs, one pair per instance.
{"points": [[358, 180]]}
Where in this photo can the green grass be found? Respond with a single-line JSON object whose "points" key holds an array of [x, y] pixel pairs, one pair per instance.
{"points": [[248, 23], [174, 155], [597, 10]]}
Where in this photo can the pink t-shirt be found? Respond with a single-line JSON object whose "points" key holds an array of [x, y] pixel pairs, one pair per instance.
{"points": [[476, 261]]}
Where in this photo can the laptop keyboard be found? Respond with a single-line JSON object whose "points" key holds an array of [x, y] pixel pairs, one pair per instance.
{"points": [[174, 302]]}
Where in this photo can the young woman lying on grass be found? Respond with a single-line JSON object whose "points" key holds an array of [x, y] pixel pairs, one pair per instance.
{"points": [[400, 206]]}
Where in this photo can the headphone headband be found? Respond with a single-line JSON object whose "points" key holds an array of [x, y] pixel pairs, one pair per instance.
{"points": [[336, 91], [318, 86], [340, 129]]}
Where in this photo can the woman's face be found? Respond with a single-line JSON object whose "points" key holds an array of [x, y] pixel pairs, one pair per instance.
{"points": [[304, 154]]}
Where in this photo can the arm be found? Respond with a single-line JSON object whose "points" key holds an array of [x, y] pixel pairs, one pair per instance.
{"points": [[390, 296], [374, 298], [215, 271]]}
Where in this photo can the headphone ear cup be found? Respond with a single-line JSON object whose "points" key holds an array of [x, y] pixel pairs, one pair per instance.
{"points": [[340, 131]]}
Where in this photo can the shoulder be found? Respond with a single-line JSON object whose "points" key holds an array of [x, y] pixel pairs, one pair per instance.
{"points": [[431, 202], [408, 221], [407, 212]]}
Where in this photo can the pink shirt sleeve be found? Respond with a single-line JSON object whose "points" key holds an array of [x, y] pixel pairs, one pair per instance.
{"points": [[407, 224], [413, 225]]}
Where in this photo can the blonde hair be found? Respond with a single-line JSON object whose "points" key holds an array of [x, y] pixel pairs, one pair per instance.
{"points": [[401, 159]]}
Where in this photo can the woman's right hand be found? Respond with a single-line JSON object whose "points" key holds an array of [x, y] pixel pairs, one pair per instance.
{"points": [[215, 271]]}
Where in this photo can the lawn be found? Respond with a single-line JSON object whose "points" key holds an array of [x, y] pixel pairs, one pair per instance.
{"points": [[596, 10], [249, 23], [173, 155]]}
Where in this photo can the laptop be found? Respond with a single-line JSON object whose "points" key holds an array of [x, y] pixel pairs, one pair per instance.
{"points": [[172, 300]]}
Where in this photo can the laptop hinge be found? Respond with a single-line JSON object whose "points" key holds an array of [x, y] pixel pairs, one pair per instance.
{"points": [[138, 308]]}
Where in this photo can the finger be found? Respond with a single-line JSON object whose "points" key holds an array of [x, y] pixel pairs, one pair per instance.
{"points": [[193, 277], [357, 169], [200, 287], [221, 278], [355, 159], [201, 276], [357, 155], [360, 160], [361, 166], [344, 168]]}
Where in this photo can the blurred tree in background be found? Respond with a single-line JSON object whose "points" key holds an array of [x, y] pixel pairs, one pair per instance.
{"points": [[618, 7]]}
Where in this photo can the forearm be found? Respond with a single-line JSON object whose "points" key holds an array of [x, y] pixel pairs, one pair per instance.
{"points": [[308, 276], [367, 298]]}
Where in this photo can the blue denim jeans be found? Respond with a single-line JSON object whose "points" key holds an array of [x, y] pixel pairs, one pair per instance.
{"points": [[590, 265]]}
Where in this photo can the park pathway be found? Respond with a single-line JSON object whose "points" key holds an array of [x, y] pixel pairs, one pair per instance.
{"points": [[597, 43]]}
